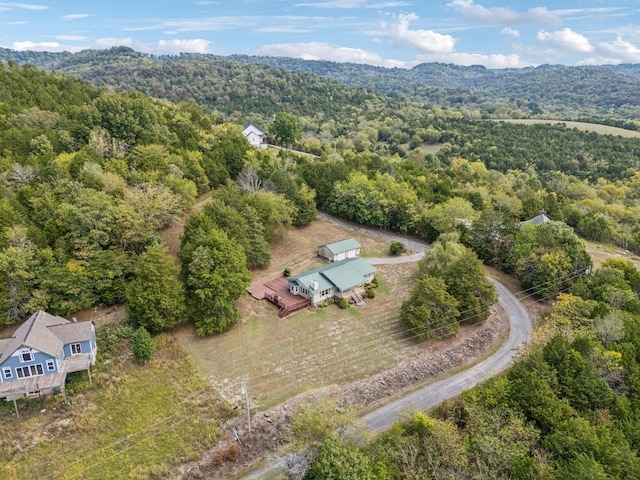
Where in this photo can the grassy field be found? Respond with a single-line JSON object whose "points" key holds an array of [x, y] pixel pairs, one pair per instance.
{"points": [[312, 348], [135, 421], [586, 127], [599, 252]]}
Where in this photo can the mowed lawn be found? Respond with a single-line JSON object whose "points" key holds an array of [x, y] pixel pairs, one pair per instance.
{"points": [[315, 347]]}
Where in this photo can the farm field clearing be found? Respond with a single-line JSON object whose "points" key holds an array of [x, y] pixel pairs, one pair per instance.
{"points": [[583, 126]]}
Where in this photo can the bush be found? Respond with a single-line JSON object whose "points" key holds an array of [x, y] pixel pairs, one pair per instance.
{"points": [[143, 345], [342, 303], [287, 272], [396, 248], [371, 293]]}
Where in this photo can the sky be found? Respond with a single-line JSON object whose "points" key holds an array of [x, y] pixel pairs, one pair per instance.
{"points": [[388, 33]]}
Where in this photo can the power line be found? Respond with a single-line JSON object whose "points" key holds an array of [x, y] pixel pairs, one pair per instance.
{"points": [[348, 358], [528, 293]]}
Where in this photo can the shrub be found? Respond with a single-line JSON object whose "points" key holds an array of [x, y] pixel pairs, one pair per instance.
{"points": [[287, 272], [143, 345], [342, 303], [371, 293], [396, 248]]}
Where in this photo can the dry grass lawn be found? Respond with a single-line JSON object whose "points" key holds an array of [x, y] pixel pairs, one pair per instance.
{"points": [[314, 347], [585, 127], [600, 252], [134, 421]]}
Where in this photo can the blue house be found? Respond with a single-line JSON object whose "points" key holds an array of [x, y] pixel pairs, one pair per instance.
{"points": [[41, 352]]}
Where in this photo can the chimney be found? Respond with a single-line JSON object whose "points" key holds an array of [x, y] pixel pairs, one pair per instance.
{"points": [[314, 284]]}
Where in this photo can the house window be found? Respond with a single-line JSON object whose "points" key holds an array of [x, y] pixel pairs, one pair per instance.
{"points": [[326, 292], [29, 371], [76, 349], [51, 365], [6, 371], [26, 355]]}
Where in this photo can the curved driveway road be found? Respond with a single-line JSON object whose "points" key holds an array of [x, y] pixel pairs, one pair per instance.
{"points": [[423, 399], [429, 396]]}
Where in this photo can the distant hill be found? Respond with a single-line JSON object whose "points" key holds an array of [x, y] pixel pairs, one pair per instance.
{"points": [[606, 94]]}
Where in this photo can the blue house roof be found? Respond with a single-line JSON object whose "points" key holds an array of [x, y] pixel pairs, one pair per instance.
{"points": [[46, 333]]}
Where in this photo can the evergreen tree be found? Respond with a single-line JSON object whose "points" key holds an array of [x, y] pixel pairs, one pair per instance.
{"points": [[143, 345], [431, 312], [215, 274], [155, 297]]}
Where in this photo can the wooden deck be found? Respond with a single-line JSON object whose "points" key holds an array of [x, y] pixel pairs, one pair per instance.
{"points": [[48, 383], [277, 292]]}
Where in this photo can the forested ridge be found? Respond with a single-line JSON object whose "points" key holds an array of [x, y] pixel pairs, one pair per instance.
{"points": [[604, 94], [90, 175]]}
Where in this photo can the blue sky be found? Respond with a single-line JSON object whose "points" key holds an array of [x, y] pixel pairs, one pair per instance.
{"points": [[391, 33]]}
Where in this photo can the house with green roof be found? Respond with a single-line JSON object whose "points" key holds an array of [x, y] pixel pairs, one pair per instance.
{"points": [[341, 279], [340, 250]]}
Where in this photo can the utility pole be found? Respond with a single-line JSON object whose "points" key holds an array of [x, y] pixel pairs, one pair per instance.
{"points": [[246, 397]]}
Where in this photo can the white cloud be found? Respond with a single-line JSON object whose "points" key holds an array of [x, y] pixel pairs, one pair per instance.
{"points": [[21, 22], [510, 31], [108, 42], [24, 6], [489, 61], [566, 40], [503, 15], [75, 16], [620, 49], [424, 40], [324, 51], [282, 29], [175, 46], [43, 47]]}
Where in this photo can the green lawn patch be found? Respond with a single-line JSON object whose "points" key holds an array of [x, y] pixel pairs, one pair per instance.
{"points": [[134, 421]]}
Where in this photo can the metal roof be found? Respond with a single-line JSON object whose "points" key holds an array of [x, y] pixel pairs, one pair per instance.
{"points": [[342, 245], [343, 275]]}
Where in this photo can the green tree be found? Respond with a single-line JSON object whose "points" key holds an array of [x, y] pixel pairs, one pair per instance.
{"points": [[286, 129], [430, 312], [548, 257], [143, 345], [155, 296], [396, 248], [215, 274], [464, 276]]}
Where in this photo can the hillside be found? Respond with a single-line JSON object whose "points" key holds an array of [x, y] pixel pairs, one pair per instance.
{"points": [[605, 94], [90, 176]]}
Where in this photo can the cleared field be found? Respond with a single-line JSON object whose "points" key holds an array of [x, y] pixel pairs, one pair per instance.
{"points": [[586, 127], [134, 421], [600, 252], [283, 357]]}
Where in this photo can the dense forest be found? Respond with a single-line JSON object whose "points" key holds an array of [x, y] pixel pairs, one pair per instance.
{"points": [[91, 176], [603, 94], [91, 173]]}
